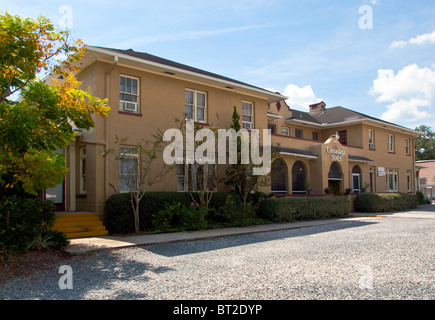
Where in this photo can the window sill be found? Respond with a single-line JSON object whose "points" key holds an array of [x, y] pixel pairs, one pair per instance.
{"points": [[391, 152], [82, 195], [130, 113]]}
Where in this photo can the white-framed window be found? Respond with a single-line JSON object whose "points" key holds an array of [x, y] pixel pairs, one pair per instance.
{"points": [[83, 170], [285, 131], [356, 179], [128, 94], [181, 178], [392, 180], [128, 169], [247, 115], [407, 146], [196, 105], [371, 139], [408, 180], [390, 143], [194, 177]]}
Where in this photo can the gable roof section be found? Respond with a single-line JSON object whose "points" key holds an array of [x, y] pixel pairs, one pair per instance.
{"points": [[339, 116], [184, 69]]}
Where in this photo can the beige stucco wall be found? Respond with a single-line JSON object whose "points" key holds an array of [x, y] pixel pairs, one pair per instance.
{"points": [[162, 101]]}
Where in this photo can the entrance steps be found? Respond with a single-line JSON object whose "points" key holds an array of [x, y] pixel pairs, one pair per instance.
{"points": [[80, 225]]}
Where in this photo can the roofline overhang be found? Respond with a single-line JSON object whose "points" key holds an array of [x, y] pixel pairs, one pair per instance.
{"points": [[297, 155], [342, 123], [270, 96]]}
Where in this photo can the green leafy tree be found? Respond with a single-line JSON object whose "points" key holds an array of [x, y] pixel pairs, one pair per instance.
{"points": [[425, 144], [41, 121]]}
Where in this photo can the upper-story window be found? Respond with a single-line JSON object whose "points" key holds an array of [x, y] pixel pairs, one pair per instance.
{"points": [[272, 128], [247, 115], [128, 94], [407, 147], [285, 131], [316, 136], [390, 143], [371, 139], [196, 105], [342, 137], [298, 133]]}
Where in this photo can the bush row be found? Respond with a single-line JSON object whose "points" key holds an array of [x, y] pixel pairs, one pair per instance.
{"points": [[26, 222], [304, 208], [223, 208], [164, 211], [385, 202]]}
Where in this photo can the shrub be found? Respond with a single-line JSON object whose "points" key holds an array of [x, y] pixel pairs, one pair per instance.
{"points": [[119, 214], [384, 202], [24, 220], [303, 208], [421, 199]]}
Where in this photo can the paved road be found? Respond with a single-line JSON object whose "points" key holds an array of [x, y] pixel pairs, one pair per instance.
{"points": [[389, 257]]}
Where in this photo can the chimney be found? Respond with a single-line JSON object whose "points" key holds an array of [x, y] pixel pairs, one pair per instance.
{"points": [[317, 107]]}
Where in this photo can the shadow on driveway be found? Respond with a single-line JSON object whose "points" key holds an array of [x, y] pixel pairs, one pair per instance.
{"points": [[198, 246]]}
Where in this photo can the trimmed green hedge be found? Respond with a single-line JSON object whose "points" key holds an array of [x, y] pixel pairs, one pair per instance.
{"points": [[384, 202], [119, 214], [303, 208]]}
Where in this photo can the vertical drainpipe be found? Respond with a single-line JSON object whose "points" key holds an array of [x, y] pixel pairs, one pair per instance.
{"points": [[106, 131], [414, 172]]}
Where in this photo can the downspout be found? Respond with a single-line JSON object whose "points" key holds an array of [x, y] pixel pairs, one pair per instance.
{"points": [[106, 124]]}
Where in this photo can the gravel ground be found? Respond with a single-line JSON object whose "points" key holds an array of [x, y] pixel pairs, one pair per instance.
{"points": [[366, 258]]}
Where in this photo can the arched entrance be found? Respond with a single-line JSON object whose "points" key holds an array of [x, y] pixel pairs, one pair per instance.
{"points": [[298, 178], [334, 178], [279, 176]]}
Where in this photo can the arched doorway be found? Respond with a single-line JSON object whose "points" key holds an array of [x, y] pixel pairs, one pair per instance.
{"points": [[356, 179], [334, 178], [298, 178], [279, 176]]}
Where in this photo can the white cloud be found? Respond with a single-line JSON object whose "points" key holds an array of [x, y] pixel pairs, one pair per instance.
{"points": [[300, 97], [427, 38], [406, 111], [409, 90]]}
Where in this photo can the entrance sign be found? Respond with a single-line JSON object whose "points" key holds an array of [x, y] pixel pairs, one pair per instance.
{"points": [[336, 154]]}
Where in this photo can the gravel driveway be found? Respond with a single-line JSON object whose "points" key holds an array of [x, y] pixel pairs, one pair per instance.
{"points": [[364, 258]]}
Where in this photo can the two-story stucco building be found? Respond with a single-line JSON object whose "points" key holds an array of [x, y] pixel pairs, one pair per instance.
{"points": [[147, 93], [338, 150]]}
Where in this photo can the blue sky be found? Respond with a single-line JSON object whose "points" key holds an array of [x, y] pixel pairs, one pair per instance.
{"points": [[309, 50]]}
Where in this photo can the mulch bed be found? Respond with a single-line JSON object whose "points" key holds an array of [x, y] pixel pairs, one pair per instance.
{"points": [[30, 262]]}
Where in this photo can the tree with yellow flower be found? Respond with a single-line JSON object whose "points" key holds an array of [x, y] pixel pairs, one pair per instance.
{"points": [[36, 119]]}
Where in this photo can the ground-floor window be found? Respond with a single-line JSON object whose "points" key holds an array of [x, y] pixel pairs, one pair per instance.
{"points": [[392, 180], [298, 177], [129, 168], [372, 179], [194, 177], [408, 180], [279, 176], [356, 179]]}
